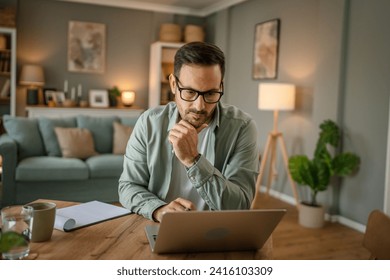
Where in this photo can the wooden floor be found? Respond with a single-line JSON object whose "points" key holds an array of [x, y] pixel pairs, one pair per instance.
{"points": [[294, 242]]}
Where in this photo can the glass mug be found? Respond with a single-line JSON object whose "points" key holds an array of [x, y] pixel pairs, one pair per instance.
{"points": [[17, 219]]}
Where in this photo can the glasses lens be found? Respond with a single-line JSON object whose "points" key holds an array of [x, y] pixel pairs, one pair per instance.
{"points": [[189, 95], [212, 97]]}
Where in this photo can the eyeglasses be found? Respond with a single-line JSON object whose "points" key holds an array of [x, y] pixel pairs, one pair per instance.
{"points": [[190, 95]]}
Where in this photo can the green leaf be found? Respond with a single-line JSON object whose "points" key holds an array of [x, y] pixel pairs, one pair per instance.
{"points": [[11, 239], [344, 164]]}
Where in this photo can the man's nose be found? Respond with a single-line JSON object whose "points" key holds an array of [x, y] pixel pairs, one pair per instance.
{"points": [[199, 103]]}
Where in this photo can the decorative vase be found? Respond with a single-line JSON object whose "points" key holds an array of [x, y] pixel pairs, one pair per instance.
{"points": [[311, 216]]}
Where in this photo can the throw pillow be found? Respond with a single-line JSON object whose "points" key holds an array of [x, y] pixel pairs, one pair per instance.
{"points": [[46, 126], [101, 129], [25, 133], [75, 142], [121, 136]]}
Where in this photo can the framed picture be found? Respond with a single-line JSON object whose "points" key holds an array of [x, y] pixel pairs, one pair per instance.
{"points": [[266, 48], [98, 98], [58, 97], [86, 47], [48, 95]]}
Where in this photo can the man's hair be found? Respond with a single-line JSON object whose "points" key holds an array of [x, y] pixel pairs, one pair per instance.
{"points": [[199, 53]]}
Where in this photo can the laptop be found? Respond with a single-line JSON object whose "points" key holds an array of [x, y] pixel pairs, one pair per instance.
{"points": [[213, 231]]}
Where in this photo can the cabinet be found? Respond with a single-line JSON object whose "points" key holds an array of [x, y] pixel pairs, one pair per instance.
{"points": [[161, 65], [7, 71]]}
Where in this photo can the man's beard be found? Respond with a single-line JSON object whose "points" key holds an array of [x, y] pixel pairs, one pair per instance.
{"points": [[204, 117]]}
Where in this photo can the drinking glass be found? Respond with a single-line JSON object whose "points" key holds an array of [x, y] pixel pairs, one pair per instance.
{"points": [[17, 219]]}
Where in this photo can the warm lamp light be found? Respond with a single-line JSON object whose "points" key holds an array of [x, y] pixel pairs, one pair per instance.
{"points": [[128, 97], [276, 97], [33, 77]]}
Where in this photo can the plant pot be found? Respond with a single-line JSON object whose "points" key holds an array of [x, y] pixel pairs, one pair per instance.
{"points": [[311, 216]]}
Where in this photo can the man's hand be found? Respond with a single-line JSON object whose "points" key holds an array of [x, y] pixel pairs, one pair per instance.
{"points": [[179, 204], [184, 139]]}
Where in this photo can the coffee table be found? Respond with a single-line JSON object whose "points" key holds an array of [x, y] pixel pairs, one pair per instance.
{"points": [[122, 238]]}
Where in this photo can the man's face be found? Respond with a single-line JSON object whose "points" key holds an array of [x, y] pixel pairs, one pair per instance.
{"points": [[200, 78]]}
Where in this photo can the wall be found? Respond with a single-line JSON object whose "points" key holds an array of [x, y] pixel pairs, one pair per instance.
{"points": [[42, 38], [335, 52]]}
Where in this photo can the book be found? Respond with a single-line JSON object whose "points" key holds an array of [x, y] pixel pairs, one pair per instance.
{"points": [[5, 90], [86, 214]]}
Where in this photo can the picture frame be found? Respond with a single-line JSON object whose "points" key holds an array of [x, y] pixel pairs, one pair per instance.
{"points": [[266, 50], [98, 98], [58, 98], [86, 47], [48, 95]]}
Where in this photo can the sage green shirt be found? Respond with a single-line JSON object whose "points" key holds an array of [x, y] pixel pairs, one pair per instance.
{"points": [[224, 176]]}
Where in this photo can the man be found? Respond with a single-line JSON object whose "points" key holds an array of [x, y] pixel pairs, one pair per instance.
{"points": [[194, 153]]}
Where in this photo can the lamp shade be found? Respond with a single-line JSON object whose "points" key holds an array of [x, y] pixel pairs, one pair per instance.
{"points": [[128, 97], [32, 75], [276, 96]]}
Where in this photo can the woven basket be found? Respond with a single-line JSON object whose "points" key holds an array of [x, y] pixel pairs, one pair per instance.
{"points": [[193, 33], [170, 32]]}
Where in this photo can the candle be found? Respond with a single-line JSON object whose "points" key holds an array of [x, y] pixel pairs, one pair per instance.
{"points": [[79, 91], [66, 86], [73, 94]]}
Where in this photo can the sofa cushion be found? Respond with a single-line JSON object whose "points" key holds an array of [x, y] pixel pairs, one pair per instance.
{"points": [[121, 137], [25, 132], [105, 166], [46, 126], [51, 169], [75, 142], [129, 121], [101, 129]]}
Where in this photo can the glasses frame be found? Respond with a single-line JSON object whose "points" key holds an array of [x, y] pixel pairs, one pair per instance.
{"points": [[202, 93]]}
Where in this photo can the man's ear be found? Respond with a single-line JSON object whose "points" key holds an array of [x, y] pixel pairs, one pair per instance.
{"points": [[172, 83]]}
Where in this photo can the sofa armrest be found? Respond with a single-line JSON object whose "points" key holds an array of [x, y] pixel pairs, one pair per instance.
{"points": [[8, 152]]}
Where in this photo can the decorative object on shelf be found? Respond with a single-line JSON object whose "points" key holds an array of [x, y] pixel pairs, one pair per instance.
{"points": [[7, 16], [193, 33], [3, 42], [86, 47], [114, 95], [33, 77], [266, 46], [275, 97], [170, 32], [48, 95], [317, 172], [128, 97], [98, 98], [59, 98]]}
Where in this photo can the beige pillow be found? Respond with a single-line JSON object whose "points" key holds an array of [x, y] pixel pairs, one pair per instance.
{"points": [[121, 136], [75, 142]]}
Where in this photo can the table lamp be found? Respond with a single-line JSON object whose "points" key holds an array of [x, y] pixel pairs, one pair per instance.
{"points": [[33, 77], [275, 97], [128, 97]]}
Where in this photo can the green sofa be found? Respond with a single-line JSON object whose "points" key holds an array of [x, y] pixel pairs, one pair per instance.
{"points": [[35, 165]]}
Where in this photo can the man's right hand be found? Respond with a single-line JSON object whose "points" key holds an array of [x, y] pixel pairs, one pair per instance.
{"points": [[179, 204]]}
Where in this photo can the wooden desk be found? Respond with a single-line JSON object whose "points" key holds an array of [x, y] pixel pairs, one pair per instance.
{"points": [[120, 239]]}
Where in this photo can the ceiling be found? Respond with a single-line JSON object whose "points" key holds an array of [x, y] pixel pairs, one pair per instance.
{"points": [[186, 7]]}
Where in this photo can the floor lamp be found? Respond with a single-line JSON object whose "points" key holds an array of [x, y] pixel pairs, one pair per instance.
{"points": [[276, 97]]}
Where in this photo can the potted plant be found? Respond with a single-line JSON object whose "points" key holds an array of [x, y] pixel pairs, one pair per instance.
{"points": [[317, 173], [114, 95]]}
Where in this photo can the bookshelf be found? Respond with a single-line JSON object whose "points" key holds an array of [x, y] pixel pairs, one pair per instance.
{"points": [[7, 70]]}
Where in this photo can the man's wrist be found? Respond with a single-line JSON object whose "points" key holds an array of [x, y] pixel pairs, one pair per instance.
{"points": [[196, 159]]}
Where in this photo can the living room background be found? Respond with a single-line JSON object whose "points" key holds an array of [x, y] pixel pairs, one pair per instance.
{"points": [[334, 51]]}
